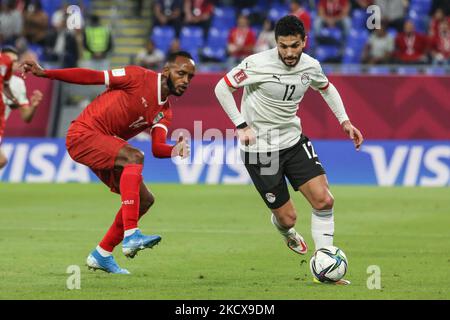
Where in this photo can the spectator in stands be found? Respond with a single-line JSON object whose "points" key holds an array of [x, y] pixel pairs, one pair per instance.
{"points": [[99, 43], [379, 47], [440, 44], [61, 46], [440, 4], [199, 13], [35, 23], [333, 13], [411, 46], [59, 14], [10, 22], [151, 58], [266, 38], [393, 12], [168, 12], [298, 10], [241, 40], [437, 18]]}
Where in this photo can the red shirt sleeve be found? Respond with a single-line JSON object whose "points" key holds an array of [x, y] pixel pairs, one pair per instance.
{"points": [[160, 148], [9, 64], [125, 78]]}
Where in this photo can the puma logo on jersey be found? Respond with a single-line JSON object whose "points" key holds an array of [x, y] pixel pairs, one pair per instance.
{"points": [[138, 123], [144, 102], [277, 77]]}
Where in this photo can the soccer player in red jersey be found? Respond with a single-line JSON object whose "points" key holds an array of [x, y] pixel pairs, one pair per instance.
{"points": [[136, 100], [6, 68]]}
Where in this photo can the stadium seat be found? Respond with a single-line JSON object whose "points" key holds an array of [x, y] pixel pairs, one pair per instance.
{"points": [[224, 18], [276, 12], [359, 18], [435, 71], [191, 40], [216, 44], [420, 20], [163, 37], [326, 53]]}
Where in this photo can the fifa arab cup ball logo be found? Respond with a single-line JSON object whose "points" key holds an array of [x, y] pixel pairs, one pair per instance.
{"points": [[329, 264]]}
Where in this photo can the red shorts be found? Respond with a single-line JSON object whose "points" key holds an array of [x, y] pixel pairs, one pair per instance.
{"points": [[96, 150]]}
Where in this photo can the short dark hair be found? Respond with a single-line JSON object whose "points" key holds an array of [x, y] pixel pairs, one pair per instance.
{"points": [[289, 26], [10, 49], [173, 56]]}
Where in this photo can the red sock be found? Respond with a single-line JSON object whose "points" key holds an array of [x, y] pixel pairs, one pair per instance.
{"points": [[130, 182], [114, 236]]}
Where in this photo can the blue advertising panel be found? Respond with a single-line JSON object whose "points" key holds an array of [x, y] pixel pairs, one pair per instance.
{"points": [[384, 163]]}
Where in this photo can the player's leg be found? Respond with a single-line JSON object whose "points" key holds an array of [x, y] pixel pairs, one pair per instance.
{"points": [[272, 187], [3, 160], [318, 194], [115, 233], [129, 162], [284, 219]]}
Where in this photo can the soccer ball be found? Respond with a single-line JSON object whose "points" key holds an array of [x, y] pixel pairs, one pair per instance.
{"points": [[329, 264]]}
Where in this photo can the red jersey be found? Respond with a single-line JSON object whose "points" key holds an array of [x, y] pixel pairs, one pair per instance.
{"points": [[304, 17], [131, 104], [244, 38], [5, 74], [412, 48], [333, 8]]}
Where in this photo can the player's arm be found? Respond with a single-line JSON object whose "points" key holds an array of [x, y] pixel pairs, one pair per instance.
{"points": [[224, 93], [70, 75], [160, 147], [334, 101], [27, 111]]}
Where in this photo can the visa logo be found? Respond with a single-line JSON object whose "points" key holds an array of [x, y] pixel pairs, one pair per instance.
{"points": [[420, 166]]}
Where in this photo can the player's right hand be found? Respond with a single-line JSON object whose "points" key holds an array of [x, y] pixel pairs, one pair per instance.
{"points": [[33, 67], [182, 148], [247, 136]]}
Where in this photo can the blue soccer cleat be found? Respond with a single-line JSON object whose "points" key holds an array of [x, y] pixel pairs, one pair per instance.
{"points": [[95, 261], [137, 241]]}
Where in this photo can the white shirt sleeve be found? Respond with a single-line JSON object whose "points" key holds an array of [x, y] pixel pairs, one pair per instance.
{"points": [[224, 94], [334, 101], [243, 75]]}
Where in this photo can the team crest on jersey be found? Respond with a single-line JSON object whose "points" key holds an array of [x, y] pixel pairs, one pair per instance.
{"points": [[271, 198], [240, 76], [306, 80], [158, 117]]}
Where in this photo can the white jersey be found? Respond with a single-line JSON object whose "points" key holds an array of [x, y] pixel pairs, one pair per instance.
{"points": [[272, 93], [19, 91]]}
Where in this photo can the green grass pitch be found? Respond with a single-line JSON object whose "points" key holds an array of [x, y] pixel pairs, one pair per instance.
{"points": [[218, 243]]}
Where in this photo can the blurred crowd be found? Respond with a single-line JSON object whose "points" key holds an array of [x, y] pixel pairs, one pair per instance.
{"points": [[61, 39]]}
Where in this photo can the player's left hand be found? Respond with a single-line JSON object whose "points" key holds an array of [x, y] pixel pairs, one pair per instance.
{"points": [[353, 134], [36, 98], [182, 148]]}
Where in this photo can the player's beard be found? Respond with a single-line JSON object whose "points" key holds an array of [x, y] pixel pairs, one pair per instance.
{"points": [[290, 65], [172, 88]]}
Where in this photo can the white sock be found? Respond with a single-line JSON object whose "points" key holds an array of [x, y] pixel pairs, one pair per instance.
{"points": [[322, 227], [285, 232], [129, 232], [103, 252]]}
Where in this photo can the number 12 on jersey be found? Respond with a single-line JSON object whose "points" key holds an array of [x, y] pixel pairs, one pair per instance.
{"points": [[309, 151], [292, 90]]}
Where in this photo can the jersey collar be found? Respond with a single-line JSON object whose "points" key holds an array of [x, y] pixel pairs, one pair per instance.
{"points": [[159, 91]]}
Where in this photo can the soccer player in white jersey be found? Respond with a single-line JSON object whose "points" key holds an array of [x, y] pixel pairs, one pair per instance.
{"points": [[272, 143], [26, 107]]}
